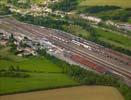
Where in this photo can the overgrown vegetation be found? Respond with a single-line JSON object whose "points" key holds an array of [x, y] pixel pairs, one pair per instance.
{"points": [[65, 5], [98, 9], [20, 3], [14, 72], [108, 12], [4, 10]]}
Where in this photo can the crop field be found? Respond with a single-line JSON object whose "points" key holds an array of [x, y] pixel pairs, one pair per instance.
{"points": [[114, 38], [121, 3], [43, 74], [129, 21], [31, 64], [37, 81], [38, 1], [74, 93], [76, 30]]}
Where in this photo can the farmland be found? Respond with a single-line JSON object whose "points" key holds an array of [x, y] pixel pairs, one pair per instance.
{"points": [[74, 93], [121, 3], [114, 38], [37, 1], [37, 81], [42, 65], [43, 74]]}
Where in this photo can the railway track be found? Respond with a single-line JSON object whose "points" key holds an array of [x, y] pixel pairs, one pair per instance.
{"points": [[106, 52], [39, 33], [94, 59]]}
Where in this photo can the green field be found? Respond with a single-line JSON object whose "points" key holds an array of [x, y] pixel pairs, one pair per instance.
{"points": [[129, 21], [37, 81], [114, 38], [121, 3], [31, 63], [38, 1], [76, 30], [43, 74]]}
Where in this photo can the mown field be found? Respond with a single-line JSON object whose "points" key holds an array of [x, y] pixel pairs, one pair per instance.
{"points": [[74, 93], [121, 3], [43, 74]]}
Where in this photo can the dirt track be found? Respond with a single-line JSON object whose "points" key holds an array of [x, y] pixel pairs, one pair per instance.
{"points": [[74, 93]]}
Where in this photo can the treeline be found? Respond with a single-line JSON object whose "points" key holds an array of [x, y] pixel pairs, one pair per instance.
{"points": [[121, 15], [40, 20], [105, 12], [14, 71], [114, 47], [65, 5], [20, 3], [103, 24], [4, 9], [108, 12], [86, 77], [51, 22], [86, 26], [97, 9]]}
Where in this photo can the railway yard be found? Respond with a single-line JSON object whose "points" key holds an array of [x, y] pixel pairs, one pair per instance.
{"points": [[73, 49]]}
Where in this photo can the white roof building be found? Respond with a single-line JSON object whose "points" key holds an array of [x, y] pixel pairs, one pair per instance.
{"points": [[91, 18]]}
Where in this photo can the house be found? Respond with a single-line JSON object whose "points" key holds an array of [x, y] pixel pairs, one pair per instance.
{"points": [[110, 23], [96, 20], [29, 51], [3, 42]]}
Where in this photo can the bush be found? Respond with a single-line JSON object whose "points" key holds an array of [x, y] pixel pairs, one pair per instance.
{"points": [[65, 5], [97, 9], [6, 73], [4, 9], [14, 72]]}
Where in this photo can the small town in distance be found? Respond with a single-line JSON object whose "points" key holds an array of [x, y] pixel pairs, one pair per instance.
{"points": [[65, 49]]}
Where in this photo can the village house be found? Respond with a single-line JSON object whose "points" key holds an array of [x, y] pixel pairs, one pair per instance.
{"points": [[91, 18], [3, 42], [3, 39], [29, 51], [109, 22]]}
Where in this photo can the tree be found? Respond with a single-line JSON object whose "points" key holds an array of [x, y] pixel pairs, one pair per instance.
{"points": [[11, 38]]}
